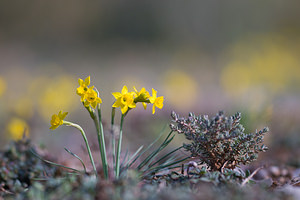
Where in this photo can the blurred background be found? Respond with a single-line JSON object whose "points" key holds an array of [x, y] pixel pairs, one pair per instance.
{"points": [[202, 56]]}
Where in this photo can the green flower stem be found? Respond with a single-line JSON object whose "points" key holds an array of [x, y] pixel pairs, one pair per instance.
{"points": [[67, 123], [119, 147], [102, 146], [100, 139], [136, 100], [113, 141]]}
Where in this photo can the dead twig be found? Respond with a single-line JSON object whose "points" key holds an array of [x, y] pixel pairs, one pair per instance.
{"points": [[4, 190], [222, 169], [251, 175]]}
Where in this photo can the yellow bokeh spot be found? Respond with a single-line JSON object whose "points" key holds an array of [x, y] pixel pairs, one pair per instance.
{"points": [[2, 86], [261, 62], [235, 79], [57, 94], [180, 89], [16, 128]]}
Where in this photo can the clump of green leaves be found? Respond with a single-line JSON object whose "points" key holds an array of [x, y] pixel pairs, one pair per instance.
{"points": [[219, 142], [151, 160]]}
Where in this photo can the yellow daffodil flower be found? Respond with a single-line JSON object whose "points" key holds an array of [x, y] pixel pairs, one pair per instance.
{"points": [[124, 100], [57, 120], [142, 96], [83, 86], [156, 101], [91, 98]]}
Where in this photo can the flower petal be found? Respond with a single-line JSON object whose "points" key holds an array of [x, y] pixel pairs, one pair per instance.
{"points": [[53, 127], [124, 109], [159, 102], [87, 81], [152, 99], [82, 98], [80, 91], [124, 89], [94, 104], [86, 104], [117, 103], [80, 81], [143, 90], [144, 105], [64, 115], [117, 94], [132, 105], [99, 100], [154, 92], [153, 109]]}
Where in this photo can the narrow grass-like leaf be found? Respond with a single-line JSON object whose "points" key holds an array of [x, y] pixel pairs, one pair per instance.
{"points": [[53, 163], [146, 149], [155, 153], [126, 165], [164, 167], [125, 157], [151, 173], [165, 156], [73, 154], [168, 163], [148, 158], [133, 155]]}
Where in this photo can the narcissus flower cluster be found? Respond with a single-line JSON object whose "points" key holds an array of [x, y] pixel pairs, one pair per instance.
{"points": [[89, 96], [127, 100]]}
